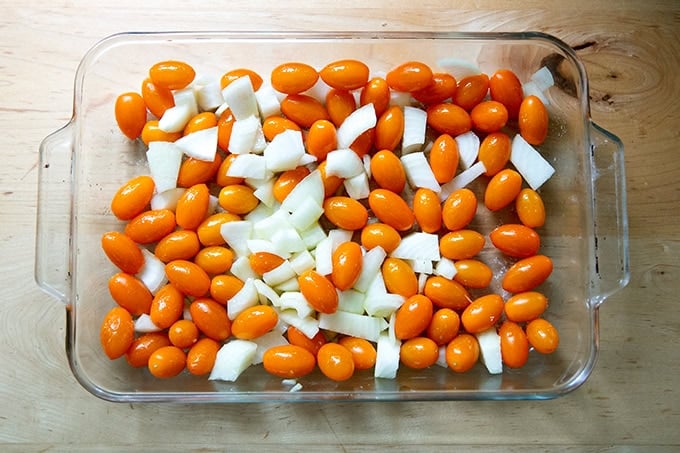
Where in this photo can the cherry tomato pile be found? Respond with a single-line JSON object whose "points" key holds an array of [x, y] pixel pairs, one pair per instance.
{"points": [[190, 311]]}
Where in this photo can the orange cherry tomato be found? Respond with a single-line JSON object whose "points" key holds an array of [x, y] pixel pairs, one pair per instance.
{"points": [[211, 318], [461, 244], [230, 76], [444, 326], [533, 120], [274, 125], [444, 158], [413, 317], [287, 181], [448, 118], [151, 226], [494, 152], [514, 345], [167, 362], [473, 274], [288, 361], [506, 88], [117, 332], [142, 347], [304, 110], [201, 357], [172, 74], [489, 116], [293, 78], [482, 313], [347, 263], [335, 361], [225, 124], [340, 104], [188, 277], [388, 171], [427, 210], [363, 352], [238, 199], [419, 353], [462, 353], [130, 293], [321, 139], [224, 287], [445, 293], [183, 333], [389, 129], [263, 262], [345, 213], [376, 92], [443, 87], [391, 209], [524, 307], [331, 184], [471, 91], [123, 252], [542, 336], [152, 133], [132, 198], [130, 111], [221, 177], [515, 240], [502, 189], [459, 209], [345, 74], [203, 120], [194, 171], [409, 77], [298, 338], [167, 306], [530, 208], [192, 207], [178, 245], [254, 322], [528, 273], [214, 259], [209, 230], [157, 98], [380, 234], [399, 277], [319, 291]]}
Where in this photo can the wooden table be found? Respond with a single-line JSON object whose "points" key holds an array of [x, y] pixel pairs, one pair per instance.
{"points": [[632, 53]]}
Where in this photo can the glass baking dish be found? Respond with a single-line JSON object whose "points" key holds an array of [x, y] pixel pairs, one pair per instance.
{"points": [[83, 164]]}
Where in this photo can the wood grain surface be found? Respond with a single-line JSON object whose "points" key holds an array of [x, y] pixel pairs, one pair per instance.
{"points": [[631, 51]]}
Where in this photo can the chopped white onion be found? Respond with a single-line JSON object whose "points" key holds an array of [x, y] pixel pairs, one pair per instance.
{"points": [[296, 301], [186, 96], [339, 236], [415, 124], [366, 159], [468, 148], [311, 187], [357, 187], [240, 96], [241, 269], [529, 163], [284, 151], [236, 235], [302, 261], [175, 118], [351, 301], [418, 172], [362, 326], [247, 166], [309, 326], [358, 122], [244, 134], [418, 246], [313, 235], [265, 192], [279, 274], [167, 199], [246, 297], [260, 212], [387, 360], [288, 285], [530, 88], [445, 268], [490, 350], [421, 266], [144, 324], [383, 305], [422, 279], [319, 90], [265, 291], [209, 96], [287, 239], [462, 179], [543, 78], [306, 214], [372, 261], [232, 360], [201, 145], [165, 159], [265, 342], [324, 257], [267, 101], [441, 358], [267, 227], [262, 245], [344, 163], [152, 272]]}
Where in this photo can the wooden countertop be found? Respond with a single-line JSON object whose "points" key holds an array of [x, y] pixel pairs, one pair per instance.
{"points": [[631, 51]]}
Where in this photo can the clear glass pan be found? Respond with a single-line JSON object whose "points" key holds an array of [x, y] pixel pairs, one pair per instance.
{"points": [[84, 163]]}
